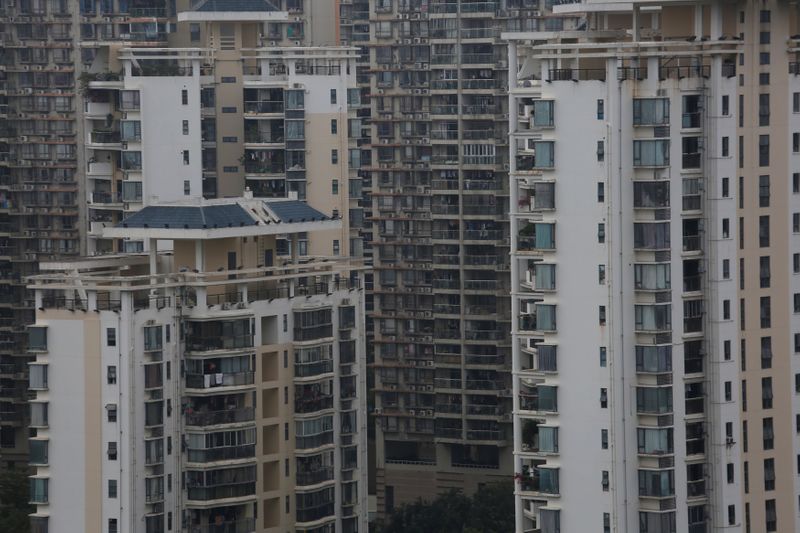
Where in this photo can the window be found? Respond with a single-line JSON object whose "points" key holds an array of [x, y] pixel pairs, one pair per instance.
{"points": [[726, 349], [731, 513], [651, 153], [131, 191], [184, 97], [796, 263], [763, 58], [111, 374], [111, 337], [726, 228], [336, 250], [766, 352], [37, 376], [763, 109], [333, 96], [334, 126], [603, 356], [334, 157], [764, 271], [601, 151], [601, 233], [38, 451], [229, 109], [601, 192], [763, 191], [604, 439], [605, 481], [771, 515], [725, 105], [335, 187], [111, 412], [600, 110], [797, 383], [185, 127], [765, 16], [796, 222], [725, 188], [763, 231], [187, 187], [650, 111], [726, 269], [601, 274], [112, 488], [604, 398], [763, 150], [112, 451], [726, 147], [795, 142], [728, 391], [765, 311], [766, 393], [726, 309], [112, 525], [796, 182], [194, 32]]}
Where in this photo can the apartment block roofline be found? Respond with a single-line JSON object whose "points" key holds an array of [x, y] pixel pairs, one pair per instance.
{"points": [[219, 219], [234, 11]]}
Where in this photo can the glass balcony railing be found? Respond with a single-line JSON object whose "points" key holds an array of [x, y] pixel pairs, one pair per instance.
{"points": [[221, 379], [228, 416]]}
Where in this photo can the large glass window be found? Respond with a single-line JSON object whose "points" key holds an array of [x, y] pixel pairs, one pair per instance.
{"points": [[652, 276], [651, 153], [650, 111], [543, 113], [654, 441], [651, 236], [653, 359], [653, 317], [651, 194], [654, 400]]}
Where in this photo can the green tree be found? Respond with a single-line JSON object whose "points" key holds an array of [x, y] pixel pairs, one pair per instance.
{"points": [[489, 510], [14, 507]]}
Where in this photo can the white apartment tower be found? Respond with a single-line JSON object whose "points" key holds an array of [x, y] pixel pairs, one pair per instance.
{"points": [[219, 387], [625, 276]]}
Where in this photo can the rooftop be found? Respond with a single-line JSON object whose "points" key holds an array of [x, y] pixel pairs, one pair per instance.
{"points": [[233, 10], [218, 219]]}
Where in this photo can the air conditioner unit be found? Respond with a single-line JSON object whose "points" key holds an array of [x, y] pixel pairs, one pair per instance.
{"points": [[378, 410]]}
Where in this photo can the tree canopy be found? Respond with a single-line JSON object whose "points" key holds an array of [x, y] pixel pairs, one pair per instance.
{"points": [[489, 510], [14, 507]]}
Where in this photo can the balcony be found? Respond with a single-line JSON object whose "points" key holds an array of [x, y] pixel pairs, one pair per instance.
{"points": [[541, 480], [98, 109], [103, 170], [313, 476], [219, 379], [264, 107], [212, 418], [104, 138], [538, 398], [225, 453], [105, 198], [242, 525], [305, 405]]}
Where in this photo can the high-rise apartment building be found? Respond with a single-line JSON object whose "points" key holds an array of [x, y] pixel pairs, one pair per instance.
{"points": [[201, 390], [89, 134], [654, 195], [440, 241]]}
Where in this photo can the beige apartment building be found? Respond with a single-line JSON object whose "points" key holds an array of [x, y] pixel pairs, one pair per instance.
{"points": [[175, 393]]}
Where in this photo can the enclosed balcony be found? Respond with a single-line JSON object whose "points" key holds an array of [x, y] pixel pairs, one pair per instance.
{"points": [[220, 484], [539, 438], [219, 372], [231, 519], [654, 441], [655, 318], [263, 101], [218, 409], [539, 478], [312, 397], [538, 276], [312, 506], [539, 196], [314, 469], [536, 397], [535, 114], [536, 317], [654, 400], [265, 161], [538, 358], [534, 155], [536, 236], [269, 131], [221, 446], [210, 335], [656, 483]]}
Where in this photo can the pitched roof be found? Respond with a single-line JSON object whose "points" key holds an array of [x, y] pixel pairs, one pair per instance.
{"points": [[216, 6], [294, 211], [189, 217]]}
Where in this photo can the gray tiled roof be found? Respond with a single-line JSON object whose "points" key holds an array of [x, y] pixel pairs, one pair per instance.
{"points": [[217, 6], [294, 211], [189, 217]]}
